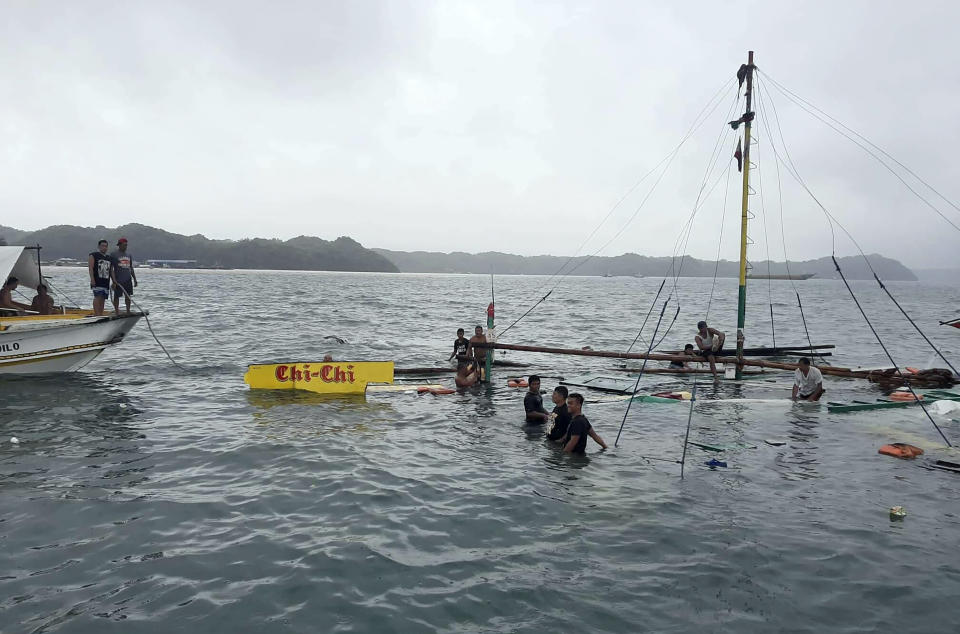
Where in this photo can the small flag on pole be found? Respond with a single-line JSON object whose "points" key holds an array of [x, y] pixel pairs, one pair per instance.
{"points": [[739, 156]]}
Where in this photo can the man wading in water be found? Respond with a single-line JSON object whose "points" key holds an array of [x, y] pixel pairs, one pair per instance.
{"points": [[479, 354], [460, 345], [580, 428], [533, 402]]}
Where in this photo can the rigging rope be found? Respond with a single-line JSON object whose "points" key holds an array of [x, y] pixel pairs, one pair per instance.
{"points": [[887, 352], [803, 104], [640, 376], [701, 118], [761, 109], [831, 220], [150, 328], [653, 305]]}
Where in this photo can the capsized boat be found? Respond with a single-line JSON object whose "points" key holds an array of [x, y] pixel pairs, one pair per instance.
{"points": [[323, 377], [64, 342]]}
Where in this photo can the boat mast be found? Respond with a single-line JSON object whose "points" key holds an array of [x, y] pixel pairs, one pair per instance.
{"points": [[742, 296]]}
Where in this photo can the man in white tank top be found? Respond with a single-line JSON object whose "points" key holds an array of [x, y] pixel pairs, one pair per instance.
{"points": [[709, 341]]}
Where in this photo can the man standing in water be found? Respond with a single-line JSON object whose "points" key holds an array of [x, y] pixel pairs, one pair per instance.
{"points": [[460, 346], [100, 267], [125, 278], [807, 382], [467, 374], [560, 415], [709, 341], [580, 428], [533, 402], [479, 354]]}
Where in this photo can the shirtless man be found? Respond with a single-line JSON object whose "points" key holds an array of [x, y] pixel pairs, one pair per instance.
{"points": [[42, 303], [467, 374], [6, 297], [709, 341], [479, 354]]}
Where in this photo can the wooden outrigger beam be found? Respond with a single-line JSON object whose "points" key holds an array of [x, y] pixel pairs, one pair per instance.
{"points": [[768, 351], [655, 356]]}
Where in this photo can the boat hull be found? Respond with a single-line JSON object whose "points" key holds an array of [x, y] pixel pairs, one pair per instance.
{"points": [[55, 345], [323, 378]]}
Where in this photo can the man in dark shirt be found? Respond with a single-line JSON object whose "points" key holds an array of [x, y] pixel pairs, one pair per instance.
{"points": [[580, 428], [460, 346], [100, 267], [533, 402], [125, 278], [560, 415]]}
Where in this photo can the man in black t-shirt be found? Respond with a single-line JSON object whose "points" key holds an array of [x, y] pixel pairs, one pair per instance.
{"points": [[460, 346], [533, 402], [100, 267], [560, 415], [580, 428]]}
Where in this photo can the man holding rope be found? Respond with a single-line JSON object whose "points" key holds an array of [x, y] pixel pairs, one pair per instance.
{"points": [[125, 278]]}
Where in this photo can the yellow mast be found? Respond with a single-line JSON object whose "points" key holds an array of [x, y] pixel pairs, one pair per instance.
{"points": [[742, 298]]}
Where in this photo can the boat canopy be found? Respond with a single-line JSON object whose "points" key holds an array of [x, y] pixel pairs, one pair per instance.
{"points": [[21, 263]]}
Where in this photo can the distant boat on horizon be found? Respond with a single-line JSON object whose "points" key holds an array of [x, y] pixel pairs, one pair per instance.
{"points": [[795, 276]]}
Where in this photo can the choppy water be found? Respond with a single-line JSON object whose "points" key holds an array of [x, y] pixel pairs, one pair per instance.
{"points": [[143, 498]]}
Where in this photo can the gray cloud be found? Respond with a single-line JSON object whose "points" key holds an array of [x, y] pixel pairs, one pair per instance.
{"points": [[474, 126]]}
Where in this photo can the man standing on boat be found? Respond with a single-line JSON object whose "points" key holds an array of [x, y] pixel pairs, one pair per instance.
{"points": [[125, 278], [807, 382], [100, 267], [709, 341]]}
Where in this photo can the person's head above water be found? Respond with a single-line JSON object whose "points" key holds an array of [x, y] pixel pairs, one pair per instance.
{"points": [[478, 330], [575, 403], [533, 381], [560, 395], [460, 332], [689, 346]]}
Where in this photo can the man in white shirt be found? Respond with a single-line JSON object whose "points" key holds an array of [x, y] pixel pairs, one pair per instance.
{"points": [[807, 382]]}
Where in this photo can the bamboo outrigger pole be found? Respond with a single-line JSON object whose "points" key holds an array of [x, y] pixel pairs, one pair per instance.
{"points": [[655, 356], [742, 295]]}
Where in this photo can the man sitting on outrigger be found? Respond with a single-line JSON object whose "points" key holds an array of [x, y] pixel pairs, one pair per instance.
{"points": [[709, 342]]}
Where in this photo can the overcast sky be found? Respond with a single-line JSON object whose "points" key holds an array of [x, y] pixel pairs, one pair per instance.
{"points": [[473, 125]]}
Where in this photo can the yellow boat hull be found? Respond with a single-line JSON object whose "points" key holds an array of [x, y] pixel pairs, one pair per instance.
{"points": [[342, 377]]}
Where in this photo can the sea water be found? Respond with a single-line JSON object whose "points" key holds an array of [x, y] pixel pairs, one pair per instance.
{"points": [[142, 497]]}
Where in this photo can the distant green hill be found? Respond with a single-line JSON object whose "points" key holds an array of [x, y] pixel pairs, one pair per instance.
{"points": [[303, 253], [630, 264]]}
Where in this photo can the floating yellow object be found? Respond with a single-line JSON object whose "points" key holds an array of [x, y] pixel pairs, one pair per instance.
{"points": [[343, 377]]}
